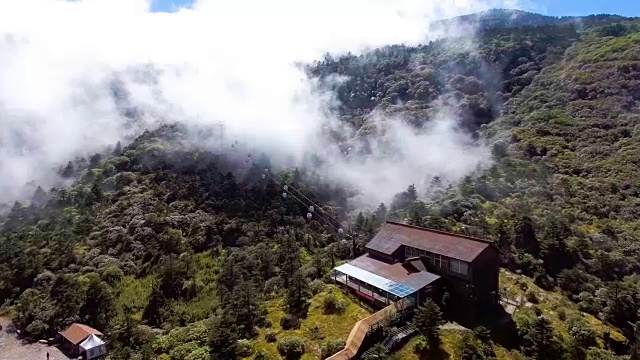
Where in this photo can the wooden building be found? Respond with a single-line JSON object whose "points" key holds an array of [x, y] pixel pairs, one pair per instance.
{"points": [[83, 340], [409, 261]]}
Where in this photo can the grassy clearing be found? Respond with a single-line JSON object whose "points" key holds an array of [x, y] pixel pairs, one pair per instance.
{"points": [[206, 302], [134, 293], [551, 303], [609, 49], [331, 327], [449, 342], [450, 339]]}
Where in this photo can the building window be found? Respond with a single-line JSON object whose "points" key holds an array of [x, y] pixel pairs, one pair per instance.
{"points": [[422, 253], [428, 257], [410, 252], [460, 267], [414, 252], [438, 261]]}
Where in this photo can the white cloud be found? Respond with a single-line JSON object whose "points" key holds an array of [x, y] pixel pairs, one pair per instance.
{"points": [[236, 62]]}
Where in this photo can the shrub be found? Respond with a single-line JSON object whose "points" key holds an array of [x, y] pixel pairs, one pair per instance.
{"points": [[582, 333], [537, 311], [261, 354], [289, 322], [182, 351], [315, 332], [522, 284], [267, 323], [270, 336], [244, 348], [333, 305], [111, 274], [316, 286], [421, 346], [201, 353], [291, 348], [198, 332], [562, 314], [37, 329], [532, 297], [331, 347], [544, 281], [162, 344], [273, 285]]}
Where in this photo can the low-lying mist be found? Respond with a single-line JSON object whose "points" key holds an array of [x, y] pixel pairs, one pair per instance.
{"points": [[64, 65]]}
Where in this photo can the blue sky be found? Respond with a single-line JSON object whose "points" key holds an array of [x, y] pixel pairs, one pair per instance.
{"points": [[547, 7], [587, 7]]}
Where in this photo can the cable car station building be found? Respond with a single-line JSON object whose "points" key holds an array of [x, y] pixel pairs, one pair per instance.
{"points": [[404, 261]]}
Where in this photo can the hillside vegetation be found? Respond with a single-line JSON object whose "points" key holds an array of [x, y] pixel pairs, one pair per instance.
{"points": [[182, 253]]}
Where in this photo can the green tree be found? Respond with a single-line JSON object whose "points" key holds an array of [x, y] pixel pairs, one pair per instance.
{"points": [[298, 294], [635, 342], [540, 341], [471, 348], [593, 353], [68, 296], [331, 347], [99, 304], [380, 215], [289, 258], [246, 308], [582, 334], [416, 219], [34, 313], [318, 264], [291, 348], [223, 340], [427, 319], [68, 171]]}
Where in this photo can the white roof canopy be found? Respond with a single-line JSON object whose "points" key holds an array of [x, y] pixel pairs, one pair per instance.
{"points": [[91, 342]]}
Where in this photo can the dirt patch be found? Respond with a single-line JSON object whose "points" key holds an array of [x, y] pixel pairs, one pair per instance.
{"points": [[13, 348]]}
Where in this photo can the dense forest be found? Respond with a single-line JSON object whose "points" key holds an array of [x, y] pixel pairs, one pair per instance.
{"points": [[181, 252]]}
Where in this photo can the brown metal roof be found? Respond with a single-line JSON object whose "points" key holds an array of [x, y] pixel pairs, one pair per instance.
{"points": [[393, 235], [401, 273], [76, 333]]}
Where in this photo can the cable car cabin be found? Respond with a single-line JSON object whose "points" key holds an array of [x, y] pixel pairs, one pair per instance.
{"points": [[408, 261]]}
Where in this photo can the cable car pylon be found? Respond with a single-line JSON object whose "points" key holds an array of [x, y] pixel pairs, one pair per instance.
{"points": [[311, 209]]}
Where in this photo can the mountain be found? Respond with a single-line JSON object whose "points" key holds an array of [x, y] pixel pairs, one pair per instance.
{"points": [[162, 234], [511, 18], [506, 18]]}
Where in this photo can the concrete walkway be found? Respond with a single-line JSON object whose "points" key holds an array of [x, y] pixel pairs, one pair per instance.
{"points": [[12, 348]]}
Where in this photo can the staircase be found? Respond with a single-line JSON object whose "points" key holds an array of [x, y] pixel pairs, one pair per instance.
{"points": [[362, 328], [394, 338], [397, 336]]}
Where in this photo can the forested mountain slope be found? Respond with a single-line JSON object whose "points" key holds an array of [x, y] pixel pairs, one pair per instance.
{"points": [[161, 234], [507, 18]]}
